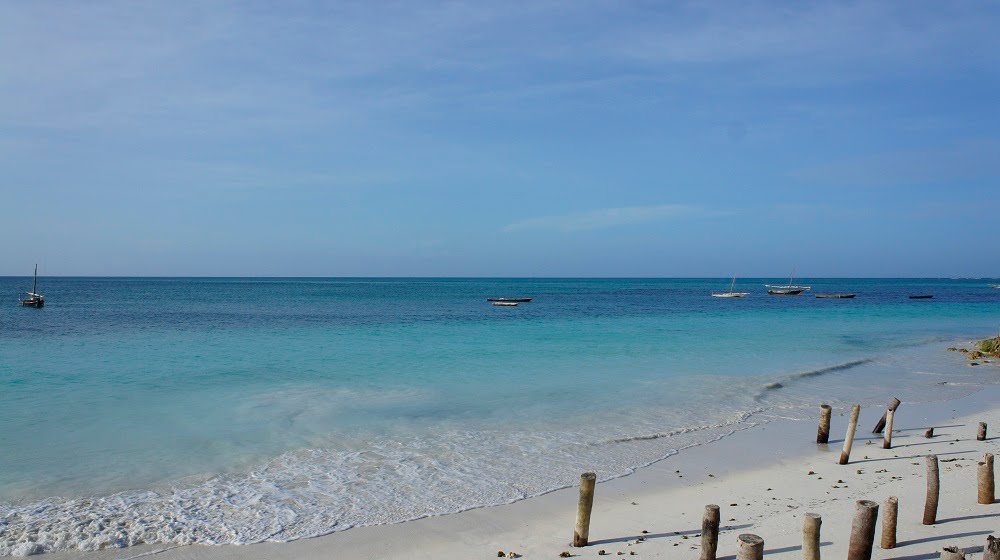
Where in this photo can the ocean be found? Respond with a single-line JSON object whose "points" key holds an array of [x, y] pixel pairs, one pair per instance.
{"points": [[240, 410]]}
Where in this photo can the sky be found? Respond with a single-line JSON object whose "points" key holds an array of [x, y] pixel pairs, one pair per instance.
{"points": [[543, 138]]}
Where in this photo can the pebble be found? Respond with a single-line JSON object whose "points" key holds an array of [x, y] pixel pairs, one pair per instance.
{"points": [[565, 554]]}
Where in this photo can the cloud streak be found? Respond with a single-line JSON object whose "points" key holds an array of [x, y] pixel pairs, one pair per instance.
{"points": [[607, 218]]}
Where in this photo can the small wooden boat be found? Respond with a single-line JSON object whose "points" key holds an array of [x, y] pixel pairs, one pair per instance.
{"points": [[786, 290], [731, 293], [505, 303], [834, 296], [32, 298], [509, 299], [922, 297]]}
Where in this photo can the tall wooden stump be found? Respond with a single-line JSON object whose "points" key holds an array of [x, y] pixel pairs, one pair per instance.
{"points": [[889, 523], [845, 455], [992, 549], [581, 534], [863, 530], [823, 433], [986, 480], [893, 405], [952, 553], [887, 438], [749, 547], [811, 523], [933, 490], [929, 433], [710, 532], [981, 435]]}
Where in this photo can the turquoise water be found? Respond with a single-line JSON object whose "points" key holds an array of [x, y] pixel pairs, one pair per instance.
{"points": [[241, 410]]}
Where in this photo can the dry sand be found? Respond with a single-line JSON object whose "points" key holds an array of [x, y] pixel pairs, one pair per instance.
{"points": [[758, 476]]}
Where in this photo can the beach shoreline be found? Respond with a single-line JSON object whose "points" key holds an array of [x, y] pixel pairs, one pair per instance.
{"points": [[762, 468]]}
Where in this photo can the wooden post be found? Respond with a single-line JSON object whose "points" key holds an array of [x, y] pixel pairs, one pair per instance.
{"points": [[863, 530], [981, 436], [986, 480], [845, 455], [583, 509], [823, 434], [893, 405], [710, 532], [992, 549], [952, 553], [929, 433], [887, 438], [889, 523], [811, 523], [749, 547], [933, 490]]}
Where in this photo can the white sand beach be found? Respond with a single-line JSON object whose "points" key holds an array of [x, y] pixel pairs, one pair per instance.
{"points": [[759, 476]]}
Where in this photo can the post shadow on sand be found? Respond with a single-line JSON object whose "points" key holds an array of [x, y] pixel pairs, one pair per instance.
{"points": [[940, 538], [878, 437], [649, 536], [775, 550], [968, 517], [910, 457]]}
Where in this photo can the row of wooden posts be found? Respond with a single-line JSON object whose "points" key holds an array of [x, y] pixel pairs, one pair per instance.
{"points": [[751, 547]]}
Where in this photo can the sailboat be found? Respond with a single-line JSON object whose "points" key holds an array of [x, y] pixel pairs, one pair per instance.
{"points": [[787, 290], [731, 293], [32, 298]]}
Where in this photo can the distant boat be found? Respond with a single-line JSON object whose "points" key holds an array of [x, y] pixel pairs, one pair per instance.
{"points": [[731, 293], [997, 286], [509, 299], [834, 296], [32, 298], [922, 297], [786, 290], [505, 303]]}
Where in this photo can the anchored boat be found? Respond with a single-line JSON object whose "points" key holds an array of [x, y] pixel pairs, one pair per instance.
{"points": [[32, 298], [508, 299], [789, 289], [731, 293], [834, 296]]}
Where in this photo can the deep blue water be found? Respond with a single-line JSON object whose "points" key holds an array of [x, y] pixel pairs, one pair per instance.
{"points": [[316, 399]]}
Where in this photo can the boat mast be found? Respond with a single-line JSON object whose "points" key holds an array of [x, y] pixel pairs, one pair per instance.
{"points": [[34, 285], [733, 284]]}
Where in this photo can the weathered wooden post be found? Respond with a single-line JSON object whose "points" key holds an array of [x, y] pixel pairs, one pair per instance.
{"points": [[929, 433], [823, 433], [581, 534], [893, 405], [992, 549], [952, 553], [710, 532], [933, 490], [986, 480], [862, 530], [889, 523], [811, 523], [887, 438], [845, 455], [981, 436], [749, 547]]}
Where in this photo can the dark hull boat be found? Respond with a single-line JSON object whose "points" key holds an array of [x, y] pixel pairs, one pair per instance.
{"points": [[785, 291], [32, 298], [834, 296], [921, 297], [509, 299]]}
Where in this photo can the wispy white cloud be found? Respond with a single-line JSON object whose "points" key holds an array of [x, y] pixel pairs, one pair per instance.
{"points": [[609, 217]]}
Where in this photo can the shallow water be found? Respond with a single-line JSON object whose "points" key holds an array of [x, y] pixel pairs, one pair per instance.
{"points": [[241, 410]]}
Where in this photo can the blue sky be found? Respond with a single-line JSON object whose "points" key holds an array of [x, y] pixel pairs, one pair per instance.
{"points": [[546, 138]]}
